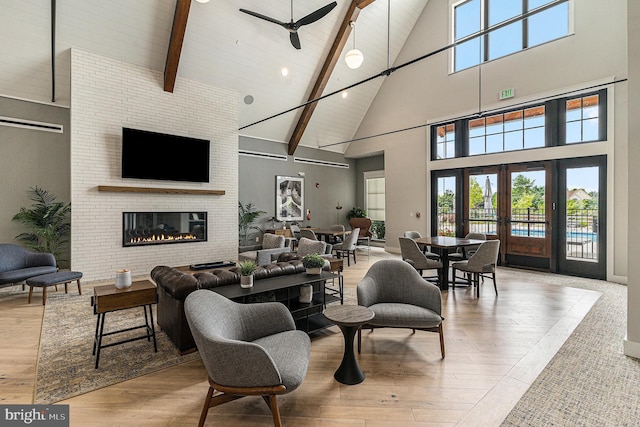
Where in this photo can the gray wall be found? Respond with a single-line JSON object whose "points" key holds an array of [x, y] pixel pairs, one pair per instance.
{"points": [[324, 187], [29, 158]]}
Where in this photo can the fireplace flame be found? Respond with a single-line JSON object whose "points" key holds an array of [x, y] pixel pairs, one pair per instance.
{"points": [[162, 238]]}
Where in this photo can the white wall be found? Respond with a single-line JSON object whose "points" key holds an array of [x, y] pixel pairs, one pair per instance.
{"points": [[426, 93], [107, 95], [632, 341]]}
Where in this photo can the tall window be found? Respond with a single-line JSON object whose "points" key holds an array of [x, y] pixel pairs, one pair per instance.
{"points": [[374, 202], [446, 206], [474, 16]]}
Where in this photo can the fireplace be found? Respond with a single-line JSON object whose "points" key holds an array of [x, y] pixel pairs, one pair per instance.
{"points": [[159, 228]]}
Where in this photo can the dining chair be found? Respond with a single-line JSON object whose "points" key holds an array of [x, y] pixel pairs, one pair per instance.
{"points": [[426, 250], [412, 254], [465, 252], [348, 247], [309, 234], [337, 227], [484, 260]]}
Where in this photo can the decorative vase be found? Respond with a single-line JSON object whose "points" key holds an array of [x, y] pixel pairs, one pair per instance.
{"points": [[306, 293], [314, 270], [123, 279], [246, 281]]}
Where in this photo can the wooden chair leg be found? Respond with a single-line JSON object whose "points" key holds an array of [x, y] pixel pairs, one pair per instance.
{"points": [[205, 408], [453, 276], [354, 257], [44, 294], [65, 287], [79, 288], [30, 293], [440, 332], [273, 405]]}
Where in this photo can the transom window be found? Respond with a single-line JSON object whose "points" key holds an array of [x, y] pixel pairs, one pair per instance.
{"points": [[515, 130], [471, 17], [562, 121]]}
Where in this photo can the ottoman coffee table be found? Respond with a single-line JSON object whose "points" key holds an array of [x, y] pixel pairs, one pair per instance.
{"points": [[53, 279], [349, 319]]}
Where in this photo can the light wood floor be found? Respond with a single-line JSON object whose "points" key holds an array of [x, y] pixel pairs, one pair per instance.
{"points": [[496, 346]]}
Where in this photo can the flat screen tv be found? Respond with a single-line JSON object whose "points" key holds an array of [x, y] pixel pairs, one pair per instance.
{"points": [[152, 155]]}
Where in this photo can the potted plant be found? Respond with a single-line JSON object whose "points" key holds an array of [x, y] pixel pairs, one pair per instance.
{"points": [[247, 214], [313, 263], [247, 268], [356, 212], [48, 221]]}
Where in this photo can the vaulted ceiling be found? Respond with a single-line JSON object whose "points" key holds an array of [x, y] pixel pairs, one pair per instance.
{"points": [[225, 47]]}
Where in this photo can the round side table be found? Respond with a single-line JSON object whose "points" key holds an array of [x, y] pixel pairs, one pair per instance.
{"points": [[349, 319]]}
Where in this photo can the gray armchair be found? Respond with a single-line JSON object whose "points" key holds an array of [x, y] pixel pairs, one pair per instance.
{"points": [[18, 264], [272, 246], [400, 298], [308, 246], [482, 261], [247, 349]]}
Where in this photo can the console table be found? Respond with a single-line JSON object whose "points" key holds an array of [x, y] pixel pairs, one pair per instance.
{"points": [[286, 289]]}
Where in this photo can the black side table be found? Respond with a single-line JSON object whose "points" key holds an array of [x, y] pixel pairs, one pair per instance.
{"points": [[349, 319]]}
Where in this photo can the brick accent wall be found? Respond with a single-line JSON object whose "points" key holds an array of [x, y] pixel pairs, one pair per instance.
{"points": [[107, 95]]}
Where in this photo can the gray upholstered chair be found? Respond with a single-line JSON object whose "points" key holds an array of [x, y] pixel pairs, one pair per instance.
{"points": [[272, 246], [337, 227], [18, 264], [295, 234], [482, 261], [400, 298], [466, 251], [247, 349], [308, 247], [425, 249], [308, 234], [412, 254], [348, 247]]}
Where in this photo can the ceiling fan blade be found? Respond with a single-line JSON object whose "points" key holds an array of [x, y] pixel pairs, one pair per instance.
{"points": [[295, 40], [314, 16], [266, 18]]}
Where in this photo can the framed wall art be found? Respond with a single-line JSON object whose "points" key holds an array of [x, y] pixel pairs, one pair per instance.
{"points": [[289, 198]]}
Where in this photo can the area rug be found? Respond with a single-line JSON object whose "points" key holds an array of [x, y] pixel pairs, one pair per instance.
{"points": [[589, 382], [65, 361]]}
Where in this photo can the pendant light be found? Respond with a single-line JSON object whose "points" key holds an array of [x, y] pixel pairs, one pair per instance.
{"points": [[354, 57]]}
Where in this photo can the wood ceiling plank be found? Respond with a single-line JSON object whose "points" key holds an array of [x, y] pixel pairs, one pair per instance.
{"points": [[327, 68], [175, 43]]}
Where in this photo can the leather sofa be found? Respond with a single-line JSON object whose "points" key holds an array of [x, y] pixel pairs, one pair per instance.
{"points": [[174, 286], [18, 264]]}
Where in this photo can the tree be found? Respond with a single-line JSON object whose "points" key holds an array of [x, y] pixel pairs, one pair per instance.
{"points": [[476, 194], [446, 201], [525, 194], [48, 221]]}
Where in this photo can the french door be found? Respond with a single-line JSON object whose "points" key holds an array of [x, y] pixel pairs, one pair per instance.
{"points": [[581, 248], [512, 203]]}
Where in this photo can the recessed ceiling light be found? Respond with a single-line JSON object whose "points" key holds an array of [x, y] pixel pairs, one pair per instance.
{"points": [[345, 94], [202, 1], [284, 72]]}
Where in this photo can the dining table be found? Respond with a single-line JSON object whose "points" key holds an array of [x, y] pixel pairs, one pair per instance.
{"points": [[442, 245], [328, 234]]}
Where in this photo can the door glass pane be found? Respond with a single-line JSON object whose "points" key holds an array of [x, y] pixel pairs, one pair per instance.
{"points": [[446, 215], [582, 213], [483, 203], [527, 204]]}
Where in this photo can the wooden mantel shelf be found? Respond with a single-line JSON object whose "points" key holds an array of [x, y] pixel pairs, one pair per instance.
{"points": [[120, 189]]}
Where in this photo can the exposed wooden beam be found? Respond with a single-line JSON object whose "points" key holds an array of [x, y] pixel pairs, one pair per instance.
{"points": [[327, 68], [175, 43]]}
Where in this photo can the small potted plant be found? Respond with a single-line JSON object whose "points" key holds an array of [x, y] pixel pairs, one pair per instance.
{"points": [[246, 273], [313, 263]]}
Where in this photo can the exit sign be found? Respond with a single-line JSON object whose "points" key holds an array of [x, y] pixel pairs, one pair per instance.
{"points": [[506, 93]]}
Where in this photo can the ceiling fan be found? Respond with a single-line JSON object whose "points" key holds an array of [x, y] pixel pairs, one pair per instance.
{"points": [[292, 26]]}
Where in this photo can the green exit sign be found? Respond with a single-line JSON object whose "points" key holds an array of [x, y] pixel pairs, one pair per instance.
{"points": [[506, 93]]}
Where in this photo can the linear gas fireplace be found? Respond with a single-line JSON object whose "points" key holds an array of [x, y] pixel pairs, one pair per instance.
{"points": [[159, 228]]}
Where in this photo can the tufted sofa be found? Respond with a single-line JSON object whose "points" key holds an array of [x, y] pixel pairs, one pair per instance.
{"points": [[18, 264], [174, 286]]}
